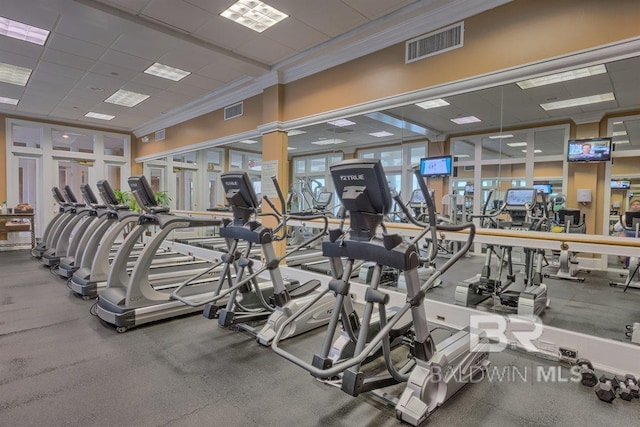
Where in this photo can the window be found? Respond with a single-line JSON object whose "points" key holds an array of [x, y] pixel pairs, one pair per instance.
{"points": [[114, 146], [71, 141]]}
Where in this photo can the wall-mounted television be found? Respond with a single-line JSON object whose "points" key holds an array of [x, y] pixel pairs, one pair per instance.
{"points": [[543, 188], [589, 150], [436, 166], [620, 184]]}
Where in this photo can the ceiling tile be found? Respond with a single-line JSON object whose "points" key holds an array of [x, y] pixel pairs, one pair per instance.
{"points": [[114, 71], [67, 59], [19, 60], [77, 47], [265, 50], [204, 83], [295, 34], [331, 17], [146, 44], [42, 14], [125, 60], [20, 47], [153, 81], [374, 9], [176, 13], [186, 89], [224, 33], [134, 6], [102, 32], [61, 71]]}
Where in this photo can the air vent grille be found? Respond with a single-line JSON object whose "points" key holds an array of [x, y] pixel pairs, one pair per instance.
{"points": [[232, 111], [435, 43], [160, 135]]}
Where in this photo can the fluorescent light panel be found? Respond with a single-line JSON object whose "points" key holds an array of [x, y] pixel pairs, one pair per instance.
{"points": [[433, 103], [381, 134], [254, 14], [501, 136], [622, 141], [248, 141], [291, 148], [329, 141], [535, 151], [9, 101], [460, 155], [295, 132], [25, 32], [126, 98], [342, 123], [517, 144], [562, 77], [466, 120], [620, 133], [100, 116], [576, 102], [14, 75], [167, 72]]}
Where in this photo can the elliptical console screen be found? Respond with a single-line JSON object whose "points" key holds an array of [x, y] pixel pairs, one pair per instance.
{"points": [[520, 197]]}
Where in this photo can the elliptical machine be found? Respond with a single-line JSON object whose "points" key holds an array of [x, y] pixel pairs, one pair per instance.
{"points": [[532, 300], [432, 375], [631, 223], [245, 300], [571, 221]]}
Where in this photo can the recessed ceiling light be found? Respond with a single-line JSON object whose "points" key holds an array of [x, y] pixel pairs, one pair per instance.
{"points": [[341, 122], [460, 155], [65, 136], [126, 98], [575, 102], [617, 123], [248, 141], [535, 151], [622, 141], [295, 132], [433, 103], [381, 134], [167, 72], [25, 32], [517, 144], [99, 116], [291, 148], [10, 101], [14, 75], [329, 141], [466, 120], [501, 136], [620, 133], [563, 77], [254, 14]]}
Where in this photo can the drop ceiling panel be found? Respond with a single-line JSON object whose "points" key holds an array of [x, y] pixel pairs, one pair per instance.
{"points": [[61, 71], [141, 88], [331, 17], [67, 59], [77, 47], [11, 91], [188, 90], [100, 83], [114, 71], [374, 9], [20, 47], [208, 85], [144, 44], [153, 81], [295, 34], [17, 59], [40, 13], [124, 60], [225, 33], [127, 5], [102, 32], [190, 58], [170, 96], [265, 50], [176, 13], [229, 70]]}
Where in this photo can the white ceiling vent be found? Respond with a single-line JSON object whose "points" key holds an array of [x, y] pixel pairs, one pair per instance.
{"points": [[160, 135], [443, 40], [232, 111]]}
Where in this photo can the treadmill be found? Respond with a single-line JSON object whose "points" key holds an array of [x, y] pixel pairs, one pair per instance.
{"points": [[92, 274], [51, 257], [64, 212], [130, 301]]}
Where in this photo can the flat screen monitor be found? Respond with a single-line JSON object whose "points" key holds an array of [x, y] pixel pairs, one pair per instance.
{"points": [[355, 176], [239, 190], [589, 150], [435, 166], [520, 197], [142, 191], [57, 194], [620, 185], [543, 188], [565, 214]]}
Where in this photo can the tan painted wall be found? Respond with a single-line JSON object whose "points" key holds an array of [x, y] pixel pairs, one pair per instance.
{"points": [[520, 32], [204, 128]]}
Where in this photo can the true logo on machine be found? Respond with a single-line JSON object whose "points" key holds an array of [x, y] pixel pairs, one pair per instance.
{"points": [[352, 177]]}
